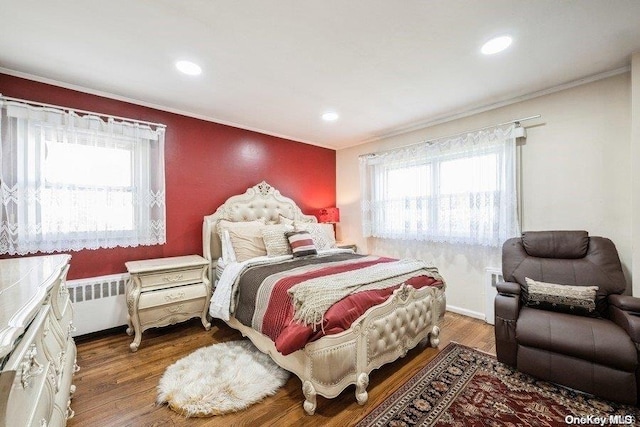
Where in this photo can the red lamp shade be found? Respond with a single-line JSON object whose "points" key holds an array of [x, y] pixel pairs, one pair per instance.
{"points": [[329, 215]]}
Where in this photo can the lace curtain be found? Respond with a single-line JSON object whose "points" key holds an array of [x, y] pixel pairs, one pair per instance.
{"points": [[455, 190], [71, 182]]}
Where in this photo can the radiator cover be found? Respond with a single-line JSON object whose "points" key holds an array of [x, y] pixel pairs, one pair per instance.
{"points": [[99, 303]]}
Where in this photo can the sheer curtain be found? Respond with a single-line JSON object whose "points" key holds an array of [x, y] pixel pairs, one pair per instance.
{"points": [[71, 182], [456, 190]]}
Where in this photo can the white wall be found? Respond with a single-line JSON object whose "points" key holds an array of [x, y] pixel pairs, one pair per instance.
{"points": [[635, 168], [576, 174]]}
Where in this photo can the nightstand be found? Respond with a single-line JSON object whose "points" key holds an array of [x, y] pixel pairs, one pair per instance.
{"points": [[347, 245], [165, 291]]}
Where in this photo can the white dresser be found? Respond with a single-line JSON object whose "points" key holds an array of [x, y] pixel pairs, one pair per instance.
{"points": [[37, 353], [165, 291]]}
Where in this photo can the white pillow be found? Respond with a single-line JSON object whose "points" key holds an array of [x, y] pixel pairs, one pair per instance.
{"points": [[228, 252], [247, 242], [284, 220], [323, 234]]}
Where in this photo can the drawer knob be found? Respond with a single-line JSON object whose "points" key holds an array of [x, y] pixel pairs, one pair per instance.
{"points": [[175, 296], [171, 279], [30, 367]]}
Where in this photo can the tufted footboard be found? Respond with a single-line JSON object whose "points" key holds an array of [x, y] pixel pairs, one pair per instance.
{"points": [[381, 335]]}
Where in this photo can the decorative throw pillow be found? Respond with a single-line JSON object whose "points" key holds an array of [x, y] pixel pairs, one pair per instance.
{"points": [[579, 300], [322, 234], [275, 241], [301, 243]]}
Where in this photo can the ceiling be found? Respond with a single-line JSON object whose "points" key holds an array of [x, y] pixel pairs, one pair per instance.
{"points": [[276, 66]]}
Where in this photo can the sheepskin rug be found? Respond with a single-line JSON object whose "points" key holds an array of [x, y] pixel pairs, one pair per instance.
{"points": [[218, 379]]}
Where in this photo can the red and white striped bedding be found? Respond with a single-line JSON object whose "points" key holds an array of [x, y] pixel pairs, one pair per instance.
{"points": [[262, 300]]}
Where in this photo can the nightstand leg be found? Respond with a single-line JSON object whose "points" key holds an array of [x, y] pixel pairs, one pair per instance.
{"points": [[129, 326], [205, 322], [136, 342]]}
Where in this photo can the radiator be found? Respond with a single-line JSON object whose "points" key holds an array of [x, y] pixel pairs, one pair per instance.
{"points": [[98, 303], [493, 276]]}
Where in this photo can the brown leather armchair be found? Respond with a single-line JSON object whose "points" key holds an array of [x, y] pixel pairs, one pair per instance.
{"points": [[598, 353]]}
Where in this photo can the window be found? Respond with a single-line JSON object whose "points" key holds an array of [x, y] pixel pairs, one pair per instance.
{"points": [[73, 182], [458, 190], [100, 177]]}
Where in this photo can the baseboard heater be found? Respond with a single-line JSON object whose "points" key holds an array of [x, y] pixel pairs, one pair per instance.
{"points": [[99, 303]]}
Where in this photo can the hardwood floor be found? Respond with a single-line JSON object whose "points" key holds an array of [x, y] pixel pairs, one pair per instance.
{"points": [[118, 388]]}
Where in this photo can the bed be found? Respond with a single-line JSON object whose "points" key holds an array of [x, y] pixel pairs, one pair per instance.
{"points": [[333, 359]]}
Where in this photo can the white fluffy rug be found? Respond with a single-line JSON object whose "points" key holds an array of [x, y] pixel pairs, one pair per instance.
{"points": [[218, 379]]}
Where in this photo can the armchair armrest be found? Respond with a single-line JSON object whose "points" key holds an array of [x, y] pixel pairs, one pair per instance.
{"points": [[625, 302], [508, 288], [625, 312], [507, 309], [507, 302]]}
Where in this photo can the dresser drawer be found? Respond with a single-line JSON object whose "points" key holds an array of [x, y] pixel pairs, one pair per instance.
{"points": [[171, 313], [171, 278], [31, 396]]}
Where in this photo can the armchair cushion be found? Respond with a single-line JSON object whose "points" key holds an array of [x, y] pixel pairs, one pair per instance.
{"points": [[556, 244], [579, 300], [596, 340]]}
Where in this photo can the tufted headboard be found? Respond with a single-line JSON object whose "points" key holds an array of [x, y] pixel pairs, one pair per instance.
{"points": [[259, 201]]}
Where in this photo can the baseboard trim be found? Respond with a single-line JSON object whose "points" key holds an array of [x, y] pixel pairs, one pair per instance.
{"points": [[465, 312]]}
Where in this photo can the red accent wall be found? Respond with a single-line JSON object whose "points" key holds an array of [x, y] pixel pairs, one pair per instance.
{"points": [[205, 163]]}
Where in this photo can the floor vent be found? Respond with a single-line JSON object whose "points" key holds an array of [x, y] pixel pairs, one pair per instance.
{"points": [[493, 276], [99, 303]]}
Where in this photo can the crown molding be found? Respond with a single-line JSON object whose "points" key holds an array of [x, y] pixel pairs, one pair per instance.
{"points": [[164, 108], [451, 116]]}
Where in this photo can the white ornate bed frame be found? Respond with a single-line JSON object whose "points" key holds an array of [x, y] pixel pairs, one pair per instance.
{"points": [[381, 335]]}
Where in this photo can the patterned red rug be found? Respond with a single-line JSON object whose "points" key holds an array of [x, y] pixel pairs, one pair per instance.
{"points": [[465, 387]]}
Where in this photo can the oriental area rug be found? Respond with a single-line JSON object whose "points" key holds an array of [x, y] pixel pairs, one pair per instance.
{"points": [[463, 387], [219, 379]]}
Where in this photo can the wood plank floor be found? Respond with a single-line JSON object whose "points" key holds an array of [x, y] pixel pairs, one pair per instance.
{"points": [[118, 388]]}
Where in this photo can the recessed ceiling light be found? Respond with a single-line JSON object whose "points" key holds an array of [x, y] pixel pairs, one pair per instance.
{"points": [[189, 68], [330, 116], [496, 45]]}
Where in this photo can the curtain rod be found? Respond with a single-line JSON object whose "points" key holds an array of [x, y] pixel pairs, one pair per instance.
{"points": [[429, 141], [92, 113]]}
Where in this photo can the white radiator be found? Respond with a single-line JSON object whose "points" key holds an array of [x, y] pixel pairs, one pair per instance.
{"points": [[493, 276], [99, 303]]}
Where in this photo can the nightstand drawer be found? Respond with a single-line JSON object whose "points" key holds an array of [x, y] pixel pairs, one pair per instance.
{"points": [[171, 278], [171, 313], [171, 295]]}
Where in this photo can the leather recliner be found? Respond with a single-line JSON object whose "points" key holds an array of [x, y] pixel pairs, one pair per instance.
{"points": [[596, 354]]}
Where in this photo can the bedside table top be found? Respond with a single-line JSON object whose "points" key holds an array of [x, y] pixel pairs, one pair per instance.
{"points": [[159, 264]]}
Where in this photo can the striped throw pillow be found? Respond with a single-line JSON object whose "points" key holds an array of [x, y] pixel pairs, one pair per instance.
{"points": [[301, 243]]}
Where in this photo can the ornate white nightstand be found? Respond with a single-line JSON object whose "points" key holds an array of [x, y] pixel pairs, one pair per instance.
{"points": [[165, 291]]}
